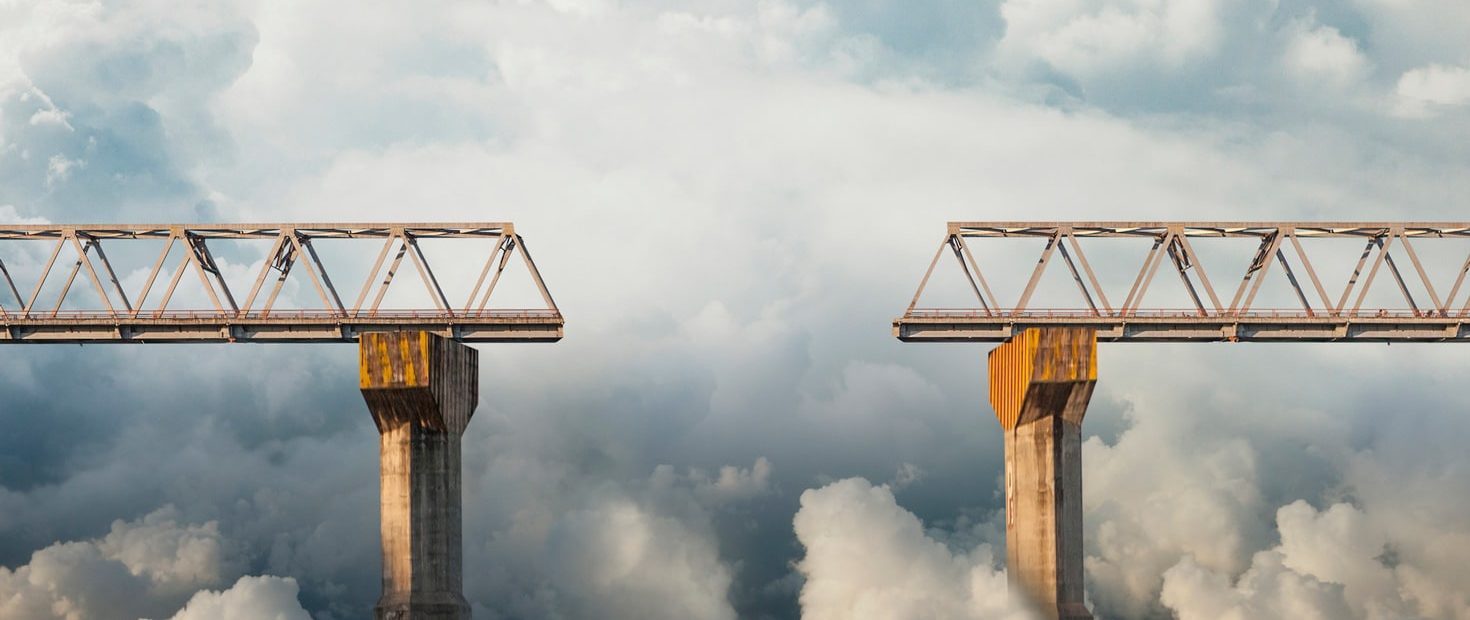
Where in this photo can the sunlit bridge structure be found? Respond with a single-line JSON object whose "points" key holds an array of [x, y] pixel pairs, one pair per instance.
{"points": [[101, 309], [257, 283], [1226, 309], [1383, 282]]}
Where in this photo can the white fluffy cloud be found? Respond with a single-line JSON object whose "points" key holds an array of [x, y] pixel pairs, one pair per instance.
{"points": [[1432, 88], [1330, 564], [1203, 507], [868, 559], [251, 598], [1087, 37], [143, 568], [1322, 56]]}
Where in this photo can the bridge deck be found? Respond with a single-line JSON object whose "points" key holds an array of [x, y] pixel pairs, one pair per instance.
{"points": [[1188, 326], [83, 327]]}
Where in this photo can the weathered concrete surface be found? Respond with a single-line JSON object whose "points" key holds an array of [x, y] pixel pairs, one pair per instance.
{"points": [[421, 390], [1040, 383]]}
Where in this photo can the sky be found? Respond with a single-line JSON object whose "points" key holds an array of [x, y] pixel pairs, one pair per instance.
{"points": [[730, 202]]}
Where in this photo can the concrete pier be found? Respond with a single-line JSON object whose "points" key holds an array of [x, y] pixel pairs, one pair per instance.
{"points": [[421, 390], [1040, 383]]}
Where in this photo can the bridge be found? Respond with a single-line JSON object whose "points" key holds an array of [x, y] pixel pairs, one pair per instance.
{"points": [[420, 382], [1043, 374], [153, 313], [1231, 314]]}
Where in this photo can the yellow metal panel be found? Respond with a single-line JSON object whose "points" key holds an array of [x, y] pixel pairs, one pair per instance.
{"points": [[394, 359], [1050, 355]]}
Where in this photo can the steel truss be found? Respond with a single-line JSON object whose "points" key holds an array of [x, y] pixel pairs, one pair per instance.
{"points": [[255, 319], [1213, 317]]}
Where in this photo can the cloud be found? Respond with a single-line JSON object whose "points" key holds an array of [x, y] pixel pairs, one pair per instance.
{"points": [[1433, 88], [1323, 55], [616, 560], [142, 568], [1330, 564], [730, 201], [1088, 38], [251, 598], [1267, 590], [868, 558], [1184, 513]]}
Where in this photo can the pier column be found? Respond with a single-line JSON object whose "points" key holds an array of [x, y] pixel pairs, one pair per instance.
{"points": [[421, 390], [1040, 382]]}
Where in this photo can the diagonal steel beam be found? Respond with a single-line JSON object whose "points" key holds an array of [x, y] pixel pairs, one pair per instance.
{"points": [[316, 267], [388, 278], [1353, 279], [1291, 277], [41, 280], [1051, 246], [1383, 242], [510, 245], [316, 281], [988, 299], [536, 274], [430, 282], [954, 244], [268, 262], [1199, 267], [500, 242], [1091, 276], [1077, 277], [372, 276], [1146, 276], [153, 273], [1311, 273], [83, 259], [1182, 263], [19, 301], [1459, 279], [111, 274], [1256, 274], [923, 282], [1423, 277]]}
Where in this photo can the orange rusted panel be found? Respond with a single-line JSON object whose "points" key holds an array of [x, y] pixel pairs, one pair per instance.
{"points": [[1038, 355]]}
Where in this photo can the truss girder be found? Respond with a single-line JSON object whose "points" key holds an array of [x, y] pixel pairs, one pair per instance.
{"points": [[109, 315], [1215, 315]]}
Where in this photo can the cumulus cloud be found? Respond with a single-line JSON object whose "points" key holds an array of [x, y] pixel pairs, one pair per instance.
{"points": [[868, 558], [1429, 89], [251, 598], [1330, 564], [1186, 517], [1323, 56], [142, 568]]}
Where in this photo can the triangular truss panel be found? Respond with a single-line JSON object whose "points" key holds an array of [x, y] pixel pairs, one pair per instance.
{"points": [[267, 282], [1204, 281]]}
